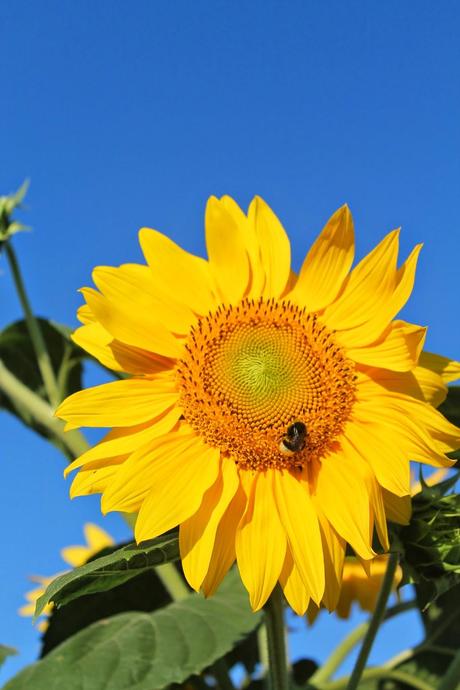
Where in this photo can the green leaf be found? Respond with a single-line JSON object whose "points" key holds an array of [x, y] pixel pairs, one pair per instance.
{"points": [[6, 652], [140, 651], [18, 355], [145, 592], [102, 574]]}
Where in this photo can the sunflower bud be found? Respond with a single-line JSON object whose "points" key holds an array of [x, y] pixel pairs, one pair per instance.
{"points": [[8, 204], [431, 542]]}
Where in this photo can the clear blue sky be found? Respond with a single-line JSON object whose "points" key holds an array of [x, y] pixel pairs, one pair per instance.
{"points": [[130, 114]]}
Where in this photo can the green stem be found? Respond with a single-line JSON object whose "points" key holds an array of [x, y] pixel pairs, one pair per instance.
{"points": [[41, 412], [172, 581], [41, 352], [340, 653], [274, 621], [452, 675], [377, 618], [380, 673], [262, 643]]}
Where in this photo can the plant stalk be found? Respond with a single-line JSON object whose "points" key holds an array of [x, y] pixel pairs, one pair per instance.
{"points": [[343, 649], [41, 411], [39, 345], [172, 581], [376, 620], [276, 638], [377, 673]]}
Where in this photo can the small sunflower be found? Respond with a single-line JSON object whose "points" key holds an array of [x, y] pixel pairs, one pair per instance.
{"points": [[96, 539], [361, 583], [272, 416]]}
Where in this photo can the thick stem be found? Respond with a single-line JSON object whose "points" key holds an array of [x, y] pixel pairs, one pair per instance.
{"points": [[172, 581], [41, 412], [276, 638], [377, 618], [262, 643], [39, 345]]}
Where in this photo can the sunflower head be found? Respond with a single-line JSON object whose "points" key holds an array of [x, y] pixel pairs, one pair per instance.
{"points": [[272, 416]]}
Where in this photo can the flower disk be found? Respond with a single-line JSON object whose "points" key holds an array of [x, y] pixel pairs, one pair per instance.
{"points": [[252, 370]]}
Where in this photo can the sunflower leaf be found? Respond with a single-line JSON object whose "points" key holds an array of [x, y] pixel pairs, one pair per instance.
{"points": [[141, 651], [107, 572]]}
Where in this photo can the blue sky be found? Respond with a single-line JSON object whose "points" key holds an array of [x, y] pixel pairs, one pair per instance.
{"points": [[132, 114]]}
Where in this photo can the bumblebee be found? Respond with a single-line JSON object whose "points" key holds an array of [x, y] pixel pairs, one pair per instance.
{"points": [[295, 439]]}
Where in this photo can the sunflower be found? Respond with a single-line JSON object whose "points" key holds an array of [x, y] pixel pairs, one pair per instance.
{"points": [[96, 539], [272, 416]]}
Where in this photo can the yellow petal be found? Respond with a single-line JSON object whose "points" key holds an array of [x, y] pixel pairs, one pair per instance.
{"points": [[251, 243], [138, 476], [387, 301], [184, 275], [135, 287], [380, 519], [260, 541], [126, 440], [435, 478], [228, 260], [96, 537], [398, 349], [197, 534], [180, 482], [93, 338], [84, 313], [119, 403], [133, 326], [293, 586], [275, 250], [75, 555], [300, 521], [223, 554], [398, 509], [334, 554], [116, 355], [327, 263], [448, 369], [420, 383], [95, 481], [368, 286], [422, 432], [434, 390], [374, 443], [343, 474]]}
